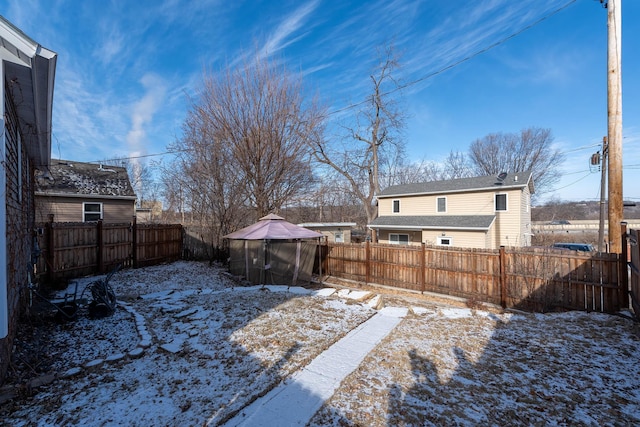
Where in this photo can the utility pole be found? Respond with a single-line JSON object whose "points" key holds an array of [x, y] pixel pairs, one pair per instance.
{"points": [[614, 121], [602, 162]]}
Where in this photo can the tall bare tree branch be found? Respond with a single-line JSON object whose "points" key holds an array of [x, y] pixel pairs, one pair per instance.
{"points": [[374, 135], [530, 150]]}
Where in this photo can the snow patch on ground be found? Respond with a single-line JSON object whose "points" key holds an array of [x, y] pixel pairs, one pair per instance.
{"points": [[191, 347]]}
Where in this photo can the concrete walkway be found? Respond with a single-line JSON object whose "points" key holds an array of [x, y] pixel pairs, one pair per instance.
{"points": [[297, 399]]}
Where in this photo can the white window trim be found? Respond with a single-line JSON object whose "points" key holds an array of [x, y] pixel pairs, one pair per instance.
{"points": [[445, 204], [338, 237], [84, 211], [441, 238], [397, 242], [506, 202], [393, 203]]}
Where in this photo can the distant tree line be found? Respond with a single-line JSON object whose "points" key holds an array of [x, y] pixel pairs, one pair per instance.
{"points": [[558, 210]]}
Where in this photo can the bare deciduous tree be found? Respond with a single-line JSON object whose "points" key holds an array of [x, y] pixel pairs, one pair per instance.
{"points": [[375, 133], [258, 111], [397, 172], [141, 177], [530, 150], [203, 180], [456, 165], [244, 151]]}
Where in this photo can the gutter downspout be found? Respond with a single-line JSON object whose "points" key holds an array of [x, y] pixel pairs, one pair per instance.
{"points": [[4, 289]]}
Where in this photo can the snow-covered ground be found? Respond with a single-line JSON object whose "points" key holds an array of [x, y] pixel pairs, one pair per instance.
{"points": [[189, 346]]}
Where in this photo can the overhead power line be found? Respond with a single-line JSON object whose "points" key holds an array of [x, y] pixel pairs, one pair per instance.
{"points": [[142, 156], [463, 60]]}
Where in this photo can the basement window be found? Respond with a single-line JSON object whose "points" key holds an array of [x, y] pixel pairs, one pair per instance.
{"points": [[445, 241], [92, 211]]}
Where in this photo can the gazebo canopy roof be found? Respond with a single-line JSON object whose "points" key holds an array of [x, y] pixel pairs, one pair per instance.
{"points": [[273, 227]]}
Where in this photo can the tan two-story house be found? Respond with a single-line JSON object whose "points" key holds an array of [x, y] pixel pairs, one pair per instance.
{"points": [[481, 212]]}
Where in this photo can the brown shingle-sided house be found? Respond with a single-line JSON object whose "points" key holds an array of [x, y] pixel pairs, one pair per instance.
{"points": [[80, 192], [26, 90], [480, 212]]}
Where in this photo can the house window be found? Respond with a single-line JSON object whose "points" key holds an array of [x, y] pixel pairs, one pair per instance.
{"points": [[445, 241], [441, 204], [339, 237], [92, 211], [399, 239], [396, 206], [501, 202]]}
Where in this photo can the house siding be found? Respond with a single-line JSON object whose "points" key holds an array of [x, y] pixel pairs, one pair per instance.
{"points": [[69, 209], [19, 176], [465, 239], [525, 220], [330, 234], [511, 227], [467, 203], [509, 223]]}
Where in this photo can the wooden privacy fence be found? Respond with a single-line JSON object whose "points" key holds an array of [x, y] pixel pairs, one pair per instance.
{"points": [[70, 250], [634, 263], [530, 279]]}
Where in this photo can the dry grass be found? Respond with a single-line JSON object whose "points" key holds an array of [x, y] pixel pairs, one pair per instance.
{"points": [[442, 365], [481, 369]]}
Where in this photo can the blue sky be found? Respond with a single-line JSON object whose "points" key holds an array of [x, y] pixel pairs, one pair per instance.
{"points": [[125, 69]]}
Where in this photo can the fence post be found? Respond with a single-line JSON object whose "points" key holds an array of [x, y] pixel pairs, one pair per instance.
{"points": [[50, 257], [100, 247], [325, 257], [423, 267], [623, 282], [367, 263], [134, 242], [503, 278]]}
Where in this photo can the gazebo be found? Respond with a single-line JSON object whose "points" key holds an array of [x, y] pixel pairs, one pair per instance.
{"points": [[273, 251]]}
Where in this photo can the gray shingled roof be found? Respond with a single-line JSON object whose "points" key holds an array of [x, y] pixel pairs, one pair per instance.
{"points": [[68, 177], [482, 222], [512, 180]]}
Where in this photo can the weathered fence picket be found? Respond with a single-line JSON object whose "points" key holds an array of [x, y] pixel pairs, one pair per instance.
{"points": [[70, 250], [531, 279]]}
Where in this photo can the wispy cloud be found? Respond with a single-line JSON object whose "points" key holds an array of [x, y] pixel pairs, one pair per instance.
{"points": [[144, 110], [111, 45], [281, 37], [86, 122]]}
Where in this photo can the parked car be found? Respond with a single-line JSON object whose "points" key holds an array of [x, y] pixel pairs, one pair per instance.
{"points": [[559, 222], [582, 247]]}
